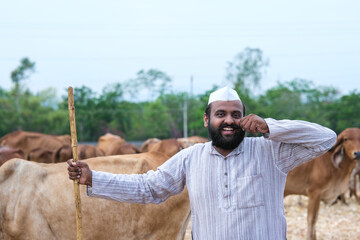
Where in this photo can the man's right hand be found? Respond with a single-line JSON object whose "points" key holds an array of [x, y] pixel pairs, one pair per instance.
{"points": [[81, 171]]}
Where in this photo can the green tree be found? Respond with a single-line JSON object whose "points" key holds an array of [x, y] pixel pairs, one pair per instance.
{"points": [[297, 99], [85, 101], [153, 121], [245, 73], [155, 82], [21, 73], [8, 118], [108, 108], [117, 115], [345, 112], [174, 107], [197, 110]]}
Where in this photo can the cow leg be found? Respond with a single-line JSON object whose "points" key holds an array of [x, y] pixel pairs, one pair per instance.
{"points": [[355, 187], [181, 235], [342, 198], [352, 183], [312, 214], [299, 201]]}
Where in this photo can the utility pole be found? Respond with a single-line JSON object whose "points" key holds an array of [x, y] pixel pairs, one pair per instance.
{"points": [[185, 118], [191, 85]]}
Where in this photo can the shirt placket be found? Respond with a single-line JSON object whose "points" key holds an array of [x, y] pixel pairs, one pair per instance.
{"points": [[226, 187]]}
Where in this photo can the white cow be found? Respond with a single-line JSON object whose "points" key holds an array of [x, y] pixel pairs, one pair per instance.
{"points": [[37, 202]]}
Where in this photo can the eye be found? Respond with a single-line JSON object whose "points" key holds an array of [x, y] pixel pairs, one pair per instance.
{"points": [[237, 115], [345, 139]]}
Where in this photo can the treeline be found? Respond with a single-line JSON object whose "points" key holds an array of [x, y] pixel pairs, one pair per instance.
{"points": [[118, 110]]}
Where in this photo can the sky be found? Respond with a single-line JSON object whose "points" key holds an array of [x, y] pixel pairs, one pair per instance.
{"points": [[97, 43]]}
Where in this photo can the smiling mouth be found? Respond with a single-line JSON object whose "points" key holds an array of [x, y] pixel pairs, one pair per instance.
{"points": [[228, 130]]}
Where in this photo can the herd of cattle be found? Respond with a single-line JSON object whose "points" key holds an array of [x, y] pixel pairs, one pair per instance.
{"points": [[37, 199]]}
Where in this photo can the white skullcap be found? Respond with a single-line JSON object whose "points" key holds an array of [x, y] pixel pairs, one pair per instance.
{"points": [[224, 94]]}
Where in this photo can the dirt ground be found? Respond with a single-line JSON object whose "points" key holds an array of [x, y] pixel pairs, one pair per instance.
{"points": [[335, 222]]}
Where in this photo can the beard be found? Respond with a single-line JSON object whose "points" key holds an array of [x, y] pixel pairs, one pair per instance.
{"points": [[227, 142]]}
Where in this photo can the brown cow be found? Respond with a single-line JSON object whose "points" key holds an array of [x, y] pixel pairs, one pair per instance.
{"points": [[37, 202], [112, 144], [325, 177], [145, 147], [28, 141], [172, 145], [168, 146], [62, 154], [85, 151], [126, 148], [189, 141], [40, 155], [106, 143], [7, 153]]}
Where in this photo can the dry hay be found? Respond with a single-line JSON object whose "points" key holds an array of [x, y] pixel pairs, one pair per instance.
{"points": [[338, 221], [335, 222]]}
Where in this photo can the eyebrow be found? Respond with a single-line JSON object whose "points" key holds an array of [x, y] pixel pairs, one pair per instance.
{"points": [[222, 111]]}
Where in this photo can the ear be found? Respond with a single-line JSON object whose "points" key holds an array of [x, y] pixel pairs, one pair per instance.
{"points": [[205, 120], [338, 157], [339, 141]]}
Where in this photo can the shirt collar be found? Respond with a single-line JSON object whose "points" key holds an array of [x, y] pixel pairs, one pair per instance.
{"points": [[236, 151]]}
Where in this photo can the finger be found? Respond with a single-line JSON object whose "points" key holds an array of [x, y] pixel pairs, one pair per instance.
{"points": [[74, 170], [80, 164], [74, 177], [247, 126], [74, 174], [253, 127], [263, 128], [71, 162], [244, 121]]}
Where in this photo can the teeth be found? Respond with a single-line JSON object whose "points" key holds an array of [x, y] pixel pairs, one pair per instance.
{"points": [[228, 129]]}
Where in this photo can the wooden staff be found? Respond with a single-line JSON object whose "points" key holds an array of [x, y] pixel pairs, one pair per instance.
{"points": [[75, 158]]}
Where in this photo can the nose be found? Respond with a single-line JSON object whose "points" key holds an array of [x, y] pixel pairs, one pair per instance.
{"points": [[229, 119], [357, 155]]}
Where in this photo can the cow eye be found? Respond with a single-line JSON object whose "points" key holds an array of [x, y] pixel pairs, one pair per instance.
{"points": [[345, 139]]}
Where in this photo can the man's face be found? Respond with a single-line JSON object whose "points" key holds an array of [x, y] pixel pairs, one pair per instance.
{"points": [[224, 124]]}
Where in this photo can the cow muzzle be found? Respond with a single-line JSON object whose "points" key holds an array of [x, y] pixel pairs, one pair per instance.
{"points": [[357, 155]]}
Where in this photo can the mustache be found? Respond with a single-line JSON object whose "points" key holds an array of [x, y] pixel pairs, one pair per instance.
{"points": [[224, 125]]}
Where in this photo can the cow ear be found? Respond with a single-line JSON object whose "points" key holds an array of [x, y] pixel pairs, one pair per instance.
{"points": [[338, 157], [339, 141]]}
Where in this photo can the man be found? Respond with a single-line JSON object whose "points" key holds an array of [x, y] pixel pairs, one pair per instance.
{"points": [[235, 184]]}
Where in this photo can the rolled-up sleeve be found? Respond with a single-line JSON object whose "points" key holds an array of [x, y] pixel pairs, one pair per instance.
{"points": [[295, 142]]}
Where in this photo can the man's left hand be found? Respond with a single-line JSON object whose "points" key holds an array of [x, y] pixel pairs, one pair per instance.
{"points": [[254, 124]]}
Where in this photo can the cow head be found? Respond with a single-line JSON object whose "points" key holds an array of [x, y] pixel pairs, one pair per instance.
{"points": [[40, 155], [346, 146], [62, 154]]}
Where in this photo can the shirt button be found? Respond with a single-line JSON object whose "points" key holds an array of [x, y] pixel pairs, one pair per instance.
{"points": [[225, 158], [226, 186], [225, 174]]}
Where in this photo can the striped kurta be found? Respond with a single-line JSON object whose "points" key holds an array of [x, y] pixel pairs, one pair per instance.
{"points": [[239, 196]]}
